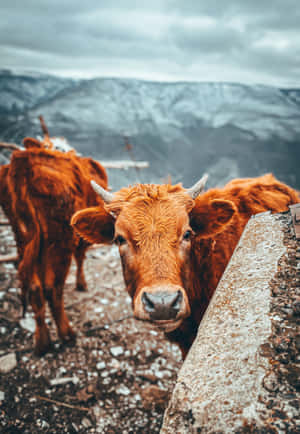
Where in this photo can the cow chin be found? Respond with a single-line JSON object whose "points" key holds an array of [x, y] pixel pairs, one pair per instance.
{"points": [[165, 306]]}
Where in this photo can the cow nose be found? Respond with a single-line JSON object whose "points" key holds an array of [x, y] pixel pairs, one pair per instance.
{"points": [[162, 305]]}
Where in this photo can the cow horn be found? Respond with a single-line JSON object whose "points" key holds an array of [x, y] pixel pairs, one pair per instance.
{"points": [[105, 195], [198, 187]]}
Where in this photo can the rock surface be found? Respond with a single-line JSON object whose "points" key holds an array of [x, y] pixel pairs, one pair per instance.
{"points": [[242, 373]]}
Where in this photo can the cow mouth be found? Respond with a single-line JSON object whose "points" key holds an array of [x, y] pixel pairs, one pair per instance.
{"points": [[167, 326]]}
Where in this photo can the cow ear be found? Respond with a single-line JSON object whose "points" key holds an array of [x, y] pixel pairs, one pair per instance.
{"points": [[209, 218], [94, 225]]}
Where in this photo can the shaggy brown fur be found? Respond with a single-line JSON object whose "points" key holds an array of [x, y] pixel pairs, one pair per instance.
{"points": [[40, 190]]}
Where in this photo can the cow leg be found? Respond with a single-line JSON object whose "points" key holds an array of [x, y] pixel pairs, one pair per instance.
{"points": [[32, 291], [37, 301], [54, 283], [79, 254], [56, 304]]}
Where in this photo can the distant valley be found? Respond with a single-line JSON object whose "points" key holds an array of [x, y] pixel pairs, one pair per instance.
{"points": [[183, 129]]}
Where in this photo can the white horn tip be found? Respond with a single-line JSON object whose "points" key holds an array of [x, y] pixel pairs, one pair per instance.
{"points": [[104, 194], [198, 187]]}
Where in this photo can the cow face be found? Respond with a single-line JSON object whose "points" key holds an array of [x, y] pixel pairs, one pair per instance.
{"points": [[154, 227]]}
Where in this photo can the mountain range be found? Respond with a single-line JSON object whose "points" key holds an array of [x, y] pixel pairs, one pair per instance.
{"points": [[182, 129]]}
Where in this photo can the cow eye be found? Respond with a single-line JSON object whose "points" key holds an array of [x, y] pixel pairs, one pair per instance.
{"points": [[187, 235], [119, 240]]}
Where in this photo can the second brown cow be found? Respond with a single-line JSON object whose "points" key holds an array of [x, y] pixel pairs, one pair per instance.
{"points": [[175, 243], [40, 190]]}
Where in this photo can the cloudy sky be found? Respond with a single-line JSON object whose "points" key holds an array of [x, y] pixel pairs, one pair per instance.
{"points": [[255, 41]]}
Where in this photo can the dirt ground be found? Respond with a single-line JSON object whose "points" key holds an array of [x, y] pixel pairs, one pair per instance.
{"points": [[116, 379]]}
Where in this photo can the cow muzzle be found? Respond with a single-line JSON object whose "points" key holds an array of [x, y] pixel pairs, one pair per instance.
{"points": [[164, 305]]}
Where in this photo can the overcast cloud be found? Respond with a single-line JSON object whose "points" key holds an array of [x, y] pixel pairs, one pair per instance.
{"points": [[213, 40]]}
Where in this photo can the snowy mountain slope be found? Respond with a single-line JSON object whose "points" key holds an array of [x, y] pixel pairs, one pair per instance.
{"points": [[181, 128], [126, 104], [23, 92]]}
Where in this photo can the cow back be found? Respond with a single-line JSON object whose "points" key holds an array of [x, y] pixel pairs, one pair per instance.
{"points": [[210, 256], [48, 187]]}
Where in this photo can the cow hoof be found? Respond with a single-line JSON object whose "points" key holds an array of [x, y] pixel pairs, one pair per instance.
{"points": [[42, 347], [70, 339], [42, 340], [81, 288]]}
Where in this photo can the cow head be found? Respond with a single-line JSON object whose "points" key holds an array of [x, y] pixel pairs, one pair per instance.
{"points": [[155, 227]]}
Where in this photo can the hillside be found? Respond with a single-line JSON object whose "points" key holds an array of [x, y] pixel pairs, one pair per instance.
{"points": [[182, 129]]}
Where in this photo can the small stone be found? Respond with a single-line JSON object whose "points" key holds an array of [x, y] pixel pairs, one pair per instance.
{"points": [[153, 332], [62, 370], [13, 290], [75, 427], [8, 363], [64, 380], [123, 390], [86, 423], [28, 323], [116, 351], [115, 363], [100, 365], [2, 396], [42, 424], [104, 301], [9, 266]]}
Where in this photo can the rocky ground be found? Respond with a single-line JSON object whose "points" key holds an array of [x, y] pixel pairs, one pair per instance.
{"points": [[116, 379]]}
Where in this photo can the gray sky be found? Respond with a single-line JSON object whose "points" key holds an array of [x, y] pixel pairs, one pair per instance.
{"points": [[248, 41]]}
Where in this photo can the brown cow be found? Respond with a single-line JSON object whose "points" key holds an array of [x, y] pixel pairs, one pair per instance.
{"points": [[39, 191], [175, 243]]}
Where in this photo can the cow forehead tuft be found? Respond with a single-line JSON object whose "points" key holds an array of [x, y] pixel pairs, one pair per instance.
{"points": [[144, 199], [150, 191], [147, 195]]}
